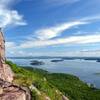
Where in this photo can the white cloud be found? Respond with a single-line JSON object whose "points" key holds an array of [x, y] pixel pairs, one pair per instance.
{"points": [[10, 45], [91, 18], [60, 2], [68, 41], [16, 50], [8, 16], [5, 3], [78, 53], [55, 31]]}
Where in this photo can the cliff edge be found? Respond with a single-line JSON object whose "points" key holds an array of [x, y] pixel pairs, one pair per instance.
{"points": [[9, 91]]}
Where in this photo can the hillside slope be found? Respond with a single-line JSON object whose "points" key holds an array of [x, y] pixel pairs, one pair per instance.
{"points": [[52, 86]]}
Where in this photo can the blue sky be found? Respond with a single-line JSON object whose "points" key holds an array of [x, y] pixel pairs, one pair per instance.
{"points": [[51, 27]]}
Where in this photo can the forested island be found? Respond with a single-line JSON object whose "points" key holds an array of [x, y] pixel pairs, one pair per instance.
{"points": [[55, 86], [60, 60], [98, 60], [36, 62]]}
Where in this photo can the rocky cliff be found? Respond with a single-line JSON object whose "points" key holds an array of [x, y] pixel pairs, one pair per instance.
{"points": [[9, 91]]}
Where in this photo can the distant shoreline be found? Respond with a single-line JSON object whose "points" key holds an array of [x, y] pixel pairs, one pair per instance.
{"points": [[45, 57], [97, 59]]}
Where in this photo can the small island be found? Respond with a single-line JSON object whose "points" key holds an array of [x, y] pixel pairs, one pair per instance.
{"points": [[36, 62], [98, 60], [57, 60], [97, 73]]}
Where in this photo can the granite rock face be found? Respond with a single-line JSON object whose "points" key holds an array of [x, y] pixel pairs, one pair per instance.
{"points": [[9, 91]]}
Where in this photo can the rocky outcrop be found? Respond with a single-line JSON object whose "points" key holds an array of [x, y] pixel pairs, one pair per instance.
{"points": [[9, 91]]}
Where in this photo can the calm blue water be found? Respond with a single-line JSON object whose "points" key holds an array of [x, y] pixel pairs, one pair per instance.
{"points": [[84, 69]]}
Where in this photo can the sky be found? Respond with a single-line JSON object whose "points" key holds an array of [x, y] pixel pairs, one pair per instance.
{"points": [[51, 27]]}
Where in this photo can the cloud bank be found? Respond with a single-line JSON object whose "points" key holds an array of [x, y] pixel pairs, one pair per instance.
{"points": [[52, 36], [67, 40], [46, 36]]}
